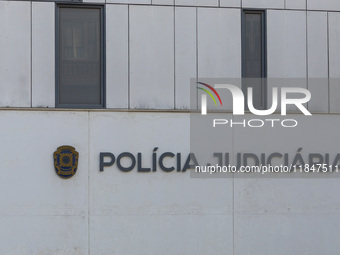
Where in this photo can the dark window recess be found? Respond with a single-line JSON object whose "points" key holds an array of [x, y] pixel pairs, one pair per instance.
{"points": [[73, 1], [80, 57], [254, 55]]}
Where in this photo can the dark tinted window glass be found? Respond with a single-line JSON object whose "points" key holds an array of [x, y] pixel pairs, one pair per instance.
{"points": [[80, 56], [253, 46], [253, 55]]}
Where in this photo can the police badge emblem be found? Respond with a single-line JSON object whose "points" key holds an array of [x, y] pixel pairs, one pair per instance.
{"points": [[66, 161]]}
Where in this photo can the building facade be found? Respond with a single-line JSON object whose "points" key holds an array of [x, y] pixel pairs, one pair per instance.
{"points": [[115, 77]]}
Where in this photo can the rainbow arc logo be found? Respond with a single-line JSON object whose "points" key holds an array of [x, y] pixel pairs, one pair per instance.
{"points": [[209, 93], [204, 96]]}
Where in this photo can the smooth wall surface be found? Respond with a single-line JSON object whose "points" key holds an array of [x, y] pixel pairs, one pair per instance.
{"points": [[15, 52], [153, 49], [41, 214], [115, 212]]}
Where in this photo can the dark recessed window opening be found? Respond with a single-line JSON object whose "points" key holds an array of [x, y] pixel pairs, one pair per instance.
{"points": [[79, 57], [254, 55]]}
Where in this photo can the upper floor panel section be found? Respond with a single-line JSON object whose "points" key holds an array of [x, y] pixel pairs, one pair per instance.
{"points": [[146, 54], [316, 5]]}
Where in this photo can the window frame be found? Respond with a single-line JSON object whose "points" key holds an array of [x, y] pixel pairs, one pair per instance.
{"points": [[263, 13], [102, 105], [59, 1]]}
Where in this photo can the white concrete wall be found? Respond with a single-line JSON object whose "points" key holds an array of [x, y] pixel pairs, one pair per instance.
{"points": [[286, 41], [219, 43], [113, 212], [41, 214], [286, 50], [330, 5], [43, 54], [272, 214], [317, 55], [296, 4], [153, 48], [117, 54], [151, 57], [185, 54], [15, 54], [277, 4], [334, 63], [149, 213]]}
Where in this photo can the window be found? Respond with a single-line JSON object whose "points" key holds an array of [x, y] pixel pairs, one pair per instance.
{"points": [[58, 1], [254, 55], [79, 56]]}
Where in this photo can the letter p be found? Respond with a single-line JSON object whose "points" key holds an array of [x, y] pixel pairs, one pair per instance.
{"points": [[102, 155], [220, 122]]}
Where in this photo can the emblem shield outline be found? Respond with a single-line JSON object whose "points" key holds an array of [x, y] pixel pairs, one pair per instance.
{"points": [[65, 161]]}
